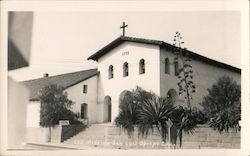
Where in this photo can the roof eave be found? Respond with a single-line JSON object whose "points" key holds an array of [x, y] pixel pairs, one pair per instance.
{"points": [[103, 51], [119, 41], [168, 46], [205, 59], [97, 73]]}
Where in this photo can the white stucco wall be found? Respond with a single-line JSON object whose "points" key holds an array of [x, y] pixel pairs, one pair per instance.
{"points": [[75, 93], [33, 114], [204, 76], [18, 96], [113, 87]]}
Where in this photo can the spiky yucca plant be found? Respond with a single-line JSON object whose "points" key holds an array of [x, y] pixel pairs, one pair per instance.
{"points": [[154, 112]]}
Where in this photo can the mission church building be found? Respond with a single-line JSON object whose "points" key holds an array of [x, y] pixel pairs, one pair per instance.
{"points": [[124, 64]]}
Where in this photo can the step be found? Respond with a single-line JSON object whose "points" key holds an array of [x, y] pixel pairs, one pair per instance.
{"points": [[95, 132]]}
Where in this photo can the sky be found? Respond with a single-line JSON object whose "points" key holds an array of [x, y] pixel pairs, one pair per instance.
{"points": [[62, 41]]}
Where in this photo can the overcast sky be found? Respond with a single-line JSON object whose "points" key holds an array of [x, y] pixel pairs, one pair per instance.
{"points": [[62, 41]]}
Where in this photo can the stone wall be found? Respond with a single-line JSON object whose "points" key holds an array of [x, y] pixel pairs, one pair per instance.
{"points": [[204, 137], [118, 138]]}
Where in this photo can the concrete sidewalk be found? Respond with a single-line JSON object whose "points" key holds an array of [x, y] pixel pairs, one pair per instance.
{"points": [[59, 146]]}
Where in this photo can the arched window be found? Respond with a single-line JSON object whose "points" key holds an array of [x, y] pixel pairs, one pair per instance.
{"points": [[125, 69], [176, 68], [142, 66], [167, 66], [111, 72]]}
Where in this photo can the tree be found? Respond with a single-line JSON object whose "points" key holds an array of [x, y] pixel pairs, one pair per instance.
{"points": [[54, 107], [222, 104], [185, 73]]}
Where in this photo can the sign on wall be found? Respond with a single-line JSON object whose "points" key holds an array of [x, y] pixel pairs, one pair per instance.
{"points": [[63, 122]]}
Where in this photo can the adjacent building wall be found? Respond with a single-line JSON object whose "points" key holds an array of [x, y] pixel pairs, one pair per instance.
{"points": [[75, 93], [131, 53], [204, 76], [35, 133]]}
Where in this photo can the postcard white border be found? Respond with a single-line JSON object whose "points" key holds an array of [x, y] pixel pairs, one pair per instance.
{"points": [[80, 6]]}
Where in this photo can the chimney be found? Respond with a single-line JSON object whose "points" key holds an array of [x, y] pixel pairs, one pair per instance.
{"points": [[45, 75]]}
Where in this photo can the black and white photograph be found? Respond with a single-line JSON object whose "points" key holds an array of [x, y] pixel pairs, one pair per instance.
{"points": [[124, 76]]}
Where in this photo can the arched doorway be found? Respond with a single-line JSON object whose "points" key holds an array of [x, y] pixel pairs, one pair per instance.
{"points": [[107, 109]]}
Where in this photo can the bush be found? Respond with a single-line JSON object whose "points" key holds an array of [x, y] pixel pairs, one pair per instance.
{"points": [[55, 106], [146, 110], [127, 117], [222, 104], [129, 109]]}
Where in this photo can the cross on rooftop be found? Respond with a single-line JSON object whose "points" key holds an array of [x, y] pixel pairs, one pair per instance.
{"points": [[123, 28]]}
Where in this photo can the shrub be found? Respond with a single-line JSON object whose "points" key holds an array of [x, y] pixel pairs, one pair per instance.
{"points": [[55, 106], [146, 110], [222, 104], [129, 108], [127, 117]]}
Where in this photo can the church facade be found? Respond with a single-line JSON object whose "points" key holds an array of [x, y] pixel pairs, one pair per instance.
{"points": [[124, 64], [128, 62]]}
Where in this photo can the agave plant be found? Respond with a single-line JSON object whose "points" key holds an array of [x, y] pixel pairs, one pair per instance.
{"points": [[154, 112]]}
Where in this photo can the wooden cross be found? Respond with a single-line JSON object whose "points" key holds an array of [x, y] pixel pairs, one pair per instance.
{"points": [[123, 28]]}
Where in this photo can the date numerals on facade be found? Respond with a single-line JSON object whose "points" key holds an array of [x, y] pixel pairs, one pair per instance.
{"points": [[125, 53]]}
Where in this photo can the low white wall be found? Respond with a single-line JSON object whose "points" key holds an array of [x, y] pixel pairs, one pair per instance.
{"points": [[40, 134], [37, 134]]}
